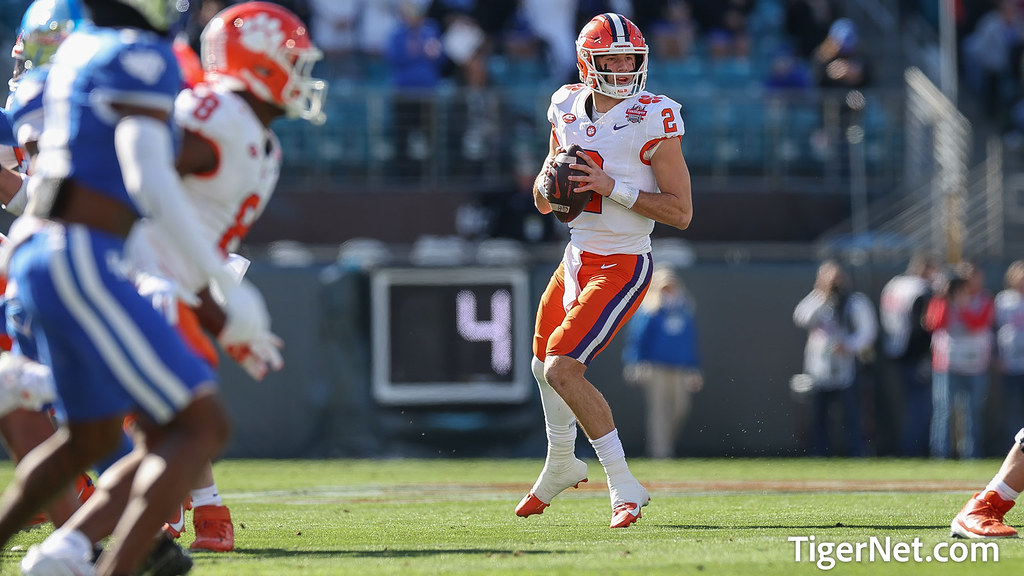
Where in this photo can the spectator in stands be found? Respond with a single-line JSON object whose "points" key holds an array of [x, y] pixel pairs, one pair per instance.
{"points": [[377, 24], [674, 34], [334, 26], [906, 342], [841, 69], [519, 41], [553, 21], [989, 62], [1010, 338], [788, 71], [467, 48], [512, 213], [414, 58], [841, 330], [301, 8], [207, 10], [724, 25], [807, 24], [838, 60], [960, 319], [661, 356]]}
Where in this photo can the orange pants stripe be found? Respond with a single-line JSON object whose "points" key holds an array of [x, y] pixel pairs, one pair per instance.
{"points": [[611, 288]]}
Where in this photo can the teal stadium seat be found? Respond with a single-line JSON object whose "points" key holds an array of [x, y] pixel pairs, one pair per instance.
{"points": [[734, 73]]}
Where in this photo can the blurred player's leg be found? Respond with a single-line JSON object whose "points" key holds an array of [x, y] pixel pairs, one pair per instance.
{"points": [[21, 431], [53, 466], [194, 437], [94, 521]]}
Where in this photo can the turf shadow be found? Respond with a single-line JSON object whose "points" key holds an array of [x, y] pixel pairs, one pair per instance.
{"points": [[388, 553], [836, 526]]}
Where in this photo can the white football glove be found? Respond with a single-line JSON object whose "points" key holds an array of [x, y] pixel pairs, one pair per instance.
{"points": [[24, 384], [246, 335], [164, 294], [259, 356]]}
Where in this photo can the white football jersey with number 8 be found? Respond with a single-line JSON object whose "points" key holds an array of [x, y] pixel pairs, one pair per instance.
{"points": [[229, 199], [622, 142]]}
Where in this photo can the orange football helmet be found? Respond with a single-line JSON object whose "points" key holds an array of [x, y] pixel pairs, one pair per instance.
{"points": [[611, 33], [264, 48]]}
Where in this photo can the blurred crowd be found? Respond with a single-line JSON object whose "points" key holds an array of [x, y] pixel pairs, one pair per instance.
{"points": [[990, 41], [422, 42], [947, 339]]}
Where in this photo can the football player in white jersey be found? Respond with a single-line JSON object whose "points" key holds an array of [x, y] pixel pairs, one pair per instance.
{"points": [[636, 174], [230, 162]]}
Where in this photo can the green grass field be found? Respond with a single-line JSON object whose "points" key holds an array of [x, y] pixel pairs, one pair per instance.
{"points": [[728, 516]]}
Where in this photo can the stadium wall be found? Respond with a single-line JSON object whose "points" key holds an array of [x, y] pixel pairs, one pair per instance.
{"points": [[321, 404]]}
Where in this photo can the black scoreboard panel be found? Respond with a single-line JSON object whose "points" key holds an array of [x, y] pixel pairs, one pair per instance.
{"points": [[451, 335]]}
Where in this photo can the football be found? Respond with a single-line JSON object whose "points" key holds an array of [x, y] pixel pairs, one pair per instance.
{"points": [[565, 203]]}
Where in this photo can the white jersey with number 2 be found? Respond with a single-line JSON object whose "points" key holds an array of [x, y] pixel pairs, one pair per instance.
{"points": [[621, 141]]}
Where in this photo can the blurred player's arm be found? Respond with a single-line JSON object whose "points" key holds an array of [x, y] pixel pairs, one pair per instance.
{"points": [[143, 143], [11, 184], [197, 155]]}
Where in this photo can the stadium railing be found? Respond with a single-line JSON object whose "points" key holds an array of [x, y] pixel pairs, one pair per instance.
{"points": [[743, 136]]}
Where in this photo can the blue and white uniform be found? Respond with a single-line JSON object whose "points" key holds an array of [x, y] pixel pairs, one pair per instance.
{"points": [[109, 350]]}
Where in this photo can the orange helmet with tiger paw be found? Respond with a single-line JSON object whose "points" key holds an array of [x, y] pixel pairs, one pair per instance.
{"points": [[264, 48]]}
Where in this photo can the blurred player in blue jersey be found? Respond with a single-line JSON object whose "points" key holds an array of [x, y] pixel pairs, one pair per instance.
{"points": [[27, 392], [106, 158]]}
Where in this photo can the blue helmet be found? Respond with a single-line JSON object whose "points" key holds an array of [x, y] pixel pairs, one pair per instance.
{"points": [[45, 25]]}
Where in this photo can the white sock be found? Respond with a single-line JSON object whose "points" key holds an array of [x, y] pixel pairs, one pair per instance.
{"points": [[613, 457], [206, 496], [561, 443], [559, 421], [67, 543], [999, 487]]}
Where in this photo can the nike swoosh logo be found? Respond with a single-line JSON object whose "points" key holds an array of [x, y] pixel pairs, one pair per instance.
{"points": [[179, 522], [634, 511], [606, 266], [617, 127]]}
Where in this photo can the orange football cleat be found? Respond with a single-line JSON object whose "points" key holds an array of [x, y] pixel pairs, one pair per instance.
{"points": [[214, 531], [982, 517], [624, 515], [84, 487], [530, 505], [551, 484], [627, 500]]}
